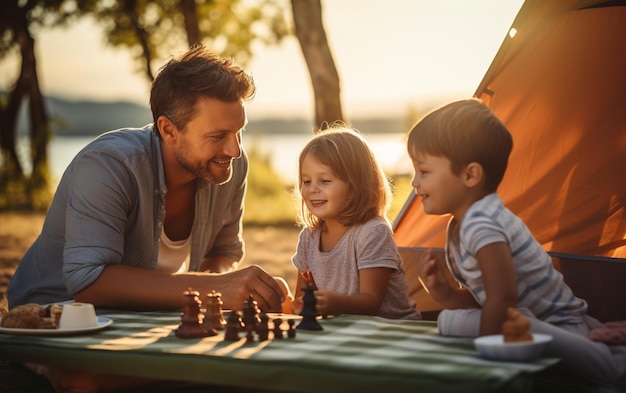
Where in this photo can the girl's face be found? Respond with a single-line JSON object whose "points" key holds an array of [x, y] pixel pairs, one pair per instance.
{"points": [[323, 192], [442, 191]]}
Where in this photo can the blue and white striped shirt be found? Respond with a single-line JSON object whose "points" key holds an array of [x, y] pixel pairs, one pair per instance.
{"points": [[540, 287]]}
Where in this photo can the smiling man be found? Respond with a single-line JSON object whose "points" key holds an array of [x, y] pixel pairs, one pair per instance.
{"points": [[140, 215]]}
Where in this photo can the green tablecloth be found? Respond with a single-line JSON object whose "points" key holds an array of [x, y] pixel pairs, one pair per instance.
{"points": [[352, 352]]}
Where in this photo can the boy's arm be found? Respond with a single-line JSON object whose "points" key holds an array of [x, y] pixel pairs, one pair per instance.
{"points": [[500, 282]]}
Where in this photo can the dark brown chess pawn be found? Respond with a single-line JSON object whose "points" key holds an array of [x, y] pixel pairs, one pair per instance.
{"points": [[233, 326], [213, 318], [278, 333], [191, 318], [250, 313], [262, 329]]}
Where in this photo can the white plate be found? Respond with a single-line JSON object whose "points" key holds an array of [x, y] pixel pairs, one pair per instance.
{"points": [[102, 323], [493, 347]]}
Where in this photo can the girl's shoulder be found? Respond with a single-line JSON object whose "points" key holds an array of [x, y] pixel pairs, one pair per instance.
{"points": [[375, 222], [309, 233], [373, 227]]}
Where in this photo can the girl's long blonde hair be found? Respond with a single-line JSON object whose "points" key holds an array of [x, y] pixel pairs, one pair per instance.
{"points": [[351, 159]]}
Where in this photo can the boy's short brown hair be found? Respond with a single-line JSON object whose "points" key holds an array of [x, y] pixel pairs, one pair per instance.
{"points": [[463, 132]]}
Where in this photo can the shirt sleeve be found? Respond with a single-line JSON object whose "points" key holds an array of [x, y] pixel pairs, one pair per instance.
{"points": [[480, 231], [99, 201], [376, 247], [299, 259]]}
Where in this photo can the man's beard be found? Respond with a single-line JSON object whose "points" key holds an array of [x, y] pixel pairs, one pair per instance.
{"points": [[202, 170]]}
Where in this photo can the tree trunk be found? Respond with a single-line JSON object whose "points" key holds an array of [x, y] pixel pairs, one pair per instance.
{"points": [[142, 36], [39, 125], [11, 166], [307, 15], [190, 15], [8, 124]]}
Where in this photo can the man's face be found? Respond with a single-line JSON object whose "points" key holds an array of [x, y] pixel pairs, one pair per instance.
{"points": [[211, 140]]}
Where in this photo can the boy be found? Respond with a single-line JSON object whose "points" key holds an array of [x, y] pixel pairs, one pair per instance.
{"points": [[460, 153]]}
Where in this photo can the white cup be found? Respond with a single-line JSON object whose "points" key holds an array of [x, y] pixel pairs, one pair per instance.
{"points": [[78, 316]]}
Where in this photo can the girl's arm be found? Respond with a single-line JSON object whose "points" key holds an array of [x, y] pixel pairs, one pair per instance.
{"points": [[372, 287], [500, 282], [434, 280]]}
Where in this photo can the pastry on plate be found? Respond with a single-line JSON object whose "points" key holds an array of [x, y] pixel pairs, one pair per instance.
{"points": [[28, 316]]}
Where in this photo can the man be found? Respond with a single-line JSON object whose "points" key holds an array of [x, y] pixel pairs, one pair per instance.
{"points": [[141, 215]]}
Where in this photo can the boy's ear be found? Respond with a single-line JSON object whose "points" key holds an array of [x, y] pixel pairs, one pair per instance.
{"points": [[473, 174], [167, 129]]}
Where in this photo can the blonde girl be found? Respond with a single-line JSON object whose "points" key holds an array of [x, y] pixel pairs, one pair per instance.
{"points": [[346, 247]]}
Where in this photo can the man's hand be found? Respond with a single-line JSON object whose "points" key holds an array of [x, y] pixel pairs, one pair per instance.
{"points": [[237, 286]]}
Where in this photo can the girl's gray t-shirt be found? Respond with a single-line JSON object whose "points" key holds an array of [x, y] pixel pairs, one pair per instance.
{"points": [[365, 246]]}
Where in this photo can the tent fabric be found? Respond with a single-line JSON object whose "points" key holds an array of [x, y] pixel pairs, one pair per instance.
{"points": [[559, 85]]}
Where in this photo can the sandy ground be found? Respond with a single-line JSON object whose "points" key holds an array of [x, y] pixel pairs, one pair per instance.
{"points": [[267, 246]]}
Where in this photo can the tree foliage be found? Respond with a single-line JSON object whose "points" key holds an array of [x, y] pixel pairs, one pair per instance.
{"points": [[152, 30]]}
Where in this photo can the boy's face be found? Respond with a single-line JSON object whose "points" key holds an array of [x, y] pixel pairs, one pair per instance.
{"points": [[442, 191]]}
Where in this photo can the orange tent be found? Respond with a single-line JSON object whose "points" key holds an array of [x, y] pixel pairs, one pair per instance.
{"points": [[559, 84]]}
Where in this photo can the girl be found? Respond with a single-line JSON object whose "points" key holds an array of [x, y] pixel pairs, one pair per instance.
{"points": [[346, 247]]}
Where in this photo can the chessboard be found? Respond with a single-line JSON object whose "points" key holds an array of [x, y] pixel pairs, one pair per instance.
{"points": [[207, 319]]}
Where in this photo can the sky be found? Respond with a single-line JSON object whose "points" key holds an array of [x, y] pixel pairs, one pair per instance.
{"points": [[391, 55]]}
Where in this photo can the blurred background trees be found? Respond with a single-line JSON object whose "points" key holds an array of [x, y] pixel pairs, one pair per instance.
{"points": [[19, 23], [150, 30]]}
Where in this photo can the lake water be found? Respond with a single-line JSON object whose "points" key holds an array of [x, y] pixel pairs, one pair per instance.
{"points": [[283, 151]]}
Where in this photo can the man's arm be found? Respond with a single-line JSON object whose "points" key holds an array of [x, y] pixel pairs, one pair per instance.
{"points": [[126, 287], [218, 264]]}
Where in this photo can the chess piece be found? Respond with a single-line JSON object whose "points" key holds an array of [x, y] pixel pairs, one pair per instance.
{"points": [[233, 326], [213, 318], [278, 334], [262, 329], [309, 310], [291, 332], [250, 313], [191, 318]]}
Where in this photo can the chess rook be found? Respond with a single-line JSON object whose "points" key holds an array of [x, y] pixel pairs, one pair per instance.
{"points": [[191, 325]]}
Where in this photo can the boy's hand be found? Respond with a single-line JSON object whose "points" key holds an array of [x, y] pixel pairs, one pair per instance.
{"points": [[432, 276]]}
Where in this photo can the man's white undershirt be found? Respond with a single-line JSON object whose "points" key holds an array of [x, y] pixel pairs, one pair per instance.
{"points": [[173, 255]]}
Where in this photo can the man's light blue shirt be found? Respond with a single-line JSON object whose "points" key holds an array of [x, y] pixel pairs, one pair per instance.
{"points": [[109, 208]]}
